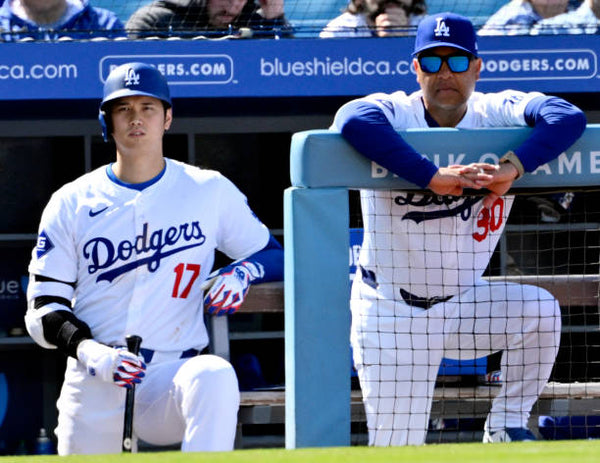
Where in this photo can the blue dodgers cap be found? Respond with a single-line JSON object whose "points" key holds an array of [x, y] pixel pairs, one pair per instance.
{"points": [[446, 30]]}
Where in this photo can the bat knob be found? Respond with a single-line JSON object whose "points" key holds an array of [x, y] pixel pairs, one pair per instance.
{"points": [[127, 443], [133, 343]]}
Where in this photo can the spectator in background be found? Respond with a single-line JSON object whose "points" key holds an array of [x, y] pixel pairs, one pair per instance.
{"points": [[380, 18], [216, 18], [517, 17], [54, 19], [583, 20]]}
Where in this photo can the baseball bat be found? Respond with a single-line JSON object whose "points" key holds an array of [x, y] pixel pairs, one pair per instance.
{"points": [[133, 345]]}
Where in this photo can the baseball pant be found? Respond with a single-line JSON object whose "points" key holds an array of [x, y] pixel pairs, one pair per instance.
{"points": [[193, 401], [398, 350]]}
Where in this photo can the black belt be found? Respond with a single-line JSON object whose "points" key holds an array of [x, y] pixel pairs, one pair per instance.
{"points": [[186, 354], [148, 354], [422, 302]]}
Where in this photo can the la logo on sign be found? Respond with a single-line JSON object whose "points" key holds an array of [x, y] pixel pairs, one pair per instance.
{"points": [[441, 29], [131, 77]]}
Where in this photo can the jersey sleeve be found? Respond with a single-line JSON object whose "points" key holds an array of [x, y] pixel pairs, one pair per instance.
{"points": [[240, 233], [55, 253], [556, 123], [53, 268], [395, 107], [371, 126], [506, 108]]}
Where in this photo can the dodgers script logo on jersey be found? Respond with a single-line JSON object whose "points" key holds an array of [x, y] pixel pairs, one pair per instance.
{"points": [[488, 220], [463, 209], [101, 253]]}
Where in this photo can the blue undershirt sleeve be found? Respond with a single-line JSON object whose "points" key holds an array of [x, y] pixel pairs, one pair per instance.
{"points": [[371, 134], [556, 123], [271, 259]]}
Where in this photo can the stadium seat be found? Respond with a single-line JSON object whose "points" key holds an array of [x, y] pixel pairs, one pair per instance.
{"points": [[310, 16], [466, 7], [123, 9], [311, 9], [478, 11]]}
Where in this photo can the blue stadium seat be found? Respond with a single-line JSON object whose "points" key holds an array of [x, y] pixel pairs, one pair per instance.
{"points": [[466, 7], [310, 16], [478, 11], [122, 8], [311, 9]]}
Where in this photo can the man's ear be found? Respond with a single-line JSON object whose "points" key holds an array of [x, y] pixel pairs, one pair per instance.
{"points": [[417, 68], [478, 63], [168, 118]]}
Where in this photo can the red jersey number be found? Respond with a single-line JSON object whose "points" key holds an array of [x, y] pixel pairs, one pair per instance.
{"points": [[489, 220], [194, 269]]}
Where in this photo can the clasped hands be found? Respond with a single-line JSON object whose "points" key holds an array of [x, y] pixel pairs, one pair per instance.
{"points": [[452, 180]]}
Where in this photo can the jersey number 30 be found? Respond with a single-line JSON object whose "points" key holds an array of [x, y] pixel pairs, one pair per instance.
{"points": [[489, 220]]}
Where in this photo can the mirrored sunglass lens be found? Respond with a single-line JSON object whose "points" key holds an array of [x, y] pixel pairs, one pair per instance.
{"points": [[458, 63], [431, 63]]}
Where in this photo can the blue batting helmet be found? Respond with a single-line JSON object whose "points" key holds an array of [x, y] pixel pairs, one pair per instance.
{"points": [[132, 79]]}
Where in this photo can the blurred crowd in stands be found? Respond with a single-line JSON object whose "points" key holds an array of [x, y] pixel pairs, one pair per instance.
{"points": [[56, 20], [94, 19]]}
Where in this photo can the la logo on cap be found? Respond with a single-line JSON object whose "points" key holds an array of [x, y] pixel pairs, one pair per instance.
{"points": [[441, 30], [131, 77]]}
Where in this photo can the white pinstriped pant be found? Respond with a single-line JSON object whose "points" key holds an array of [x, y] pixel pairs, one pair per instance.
{"points": [[398, 350]]}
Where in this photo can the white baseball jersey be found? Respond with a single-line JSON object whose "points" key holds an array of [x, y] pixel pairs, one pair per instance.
{"points": [[138, 258], [429, 245]]}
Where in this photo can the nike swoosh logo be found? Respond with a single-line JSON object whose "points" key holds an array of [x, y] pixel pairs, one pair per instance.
{"points": [[99, 211]]}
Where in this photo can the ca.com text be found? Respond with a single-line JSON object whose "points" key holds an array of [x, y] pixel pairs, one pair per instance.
{"points": [[38, 71]]}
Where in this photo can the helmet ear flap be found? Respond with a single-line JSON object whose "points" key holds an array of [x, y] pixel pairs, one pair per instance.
{"points": [[105, 124]]}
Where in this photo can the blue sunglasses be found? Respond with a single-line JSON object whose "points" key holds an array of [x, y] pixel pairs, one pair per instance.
{"points": [[433, 63]]}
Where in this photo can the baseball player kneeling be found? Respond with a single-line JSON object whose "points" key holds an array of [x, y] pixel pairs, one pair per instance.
{"points": [[419, 295], [124, 250]]}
